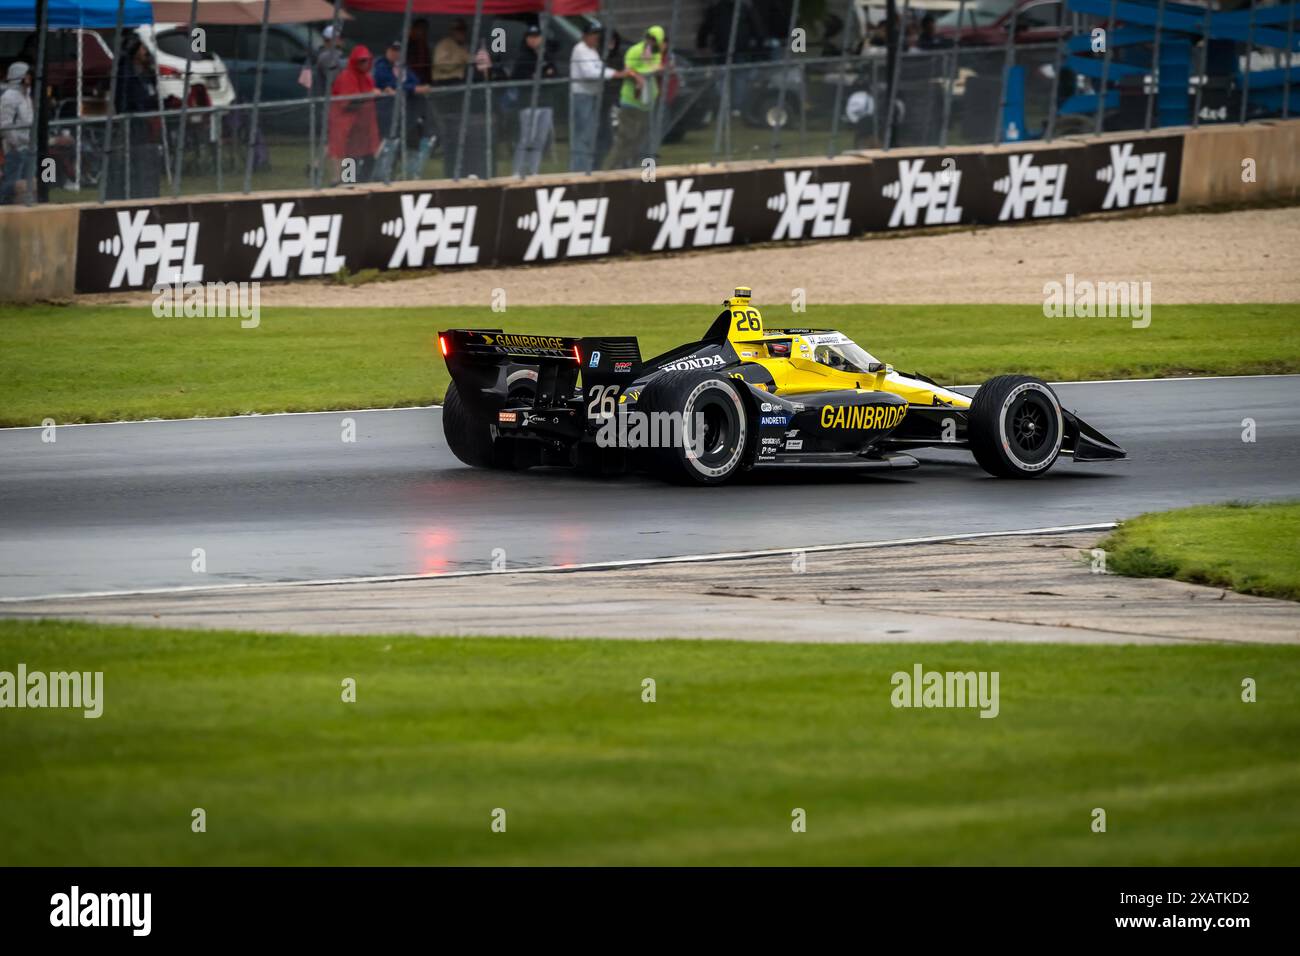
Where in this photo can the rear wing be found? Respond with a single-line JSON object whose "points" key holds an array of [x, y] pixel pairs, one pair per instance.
{"points": [[486, 361]]}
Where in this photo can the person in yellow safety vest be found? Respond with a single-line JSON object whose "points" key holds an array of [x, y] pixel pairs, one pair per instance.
{"points": [[637, 98]]}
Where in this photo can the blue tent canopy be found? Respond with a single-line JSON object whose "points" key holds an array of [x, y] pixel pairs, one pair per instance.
{"points": [[21, 14]]}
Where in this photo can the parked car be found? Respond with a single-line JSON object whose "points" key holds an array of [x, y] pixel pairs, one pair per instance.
{"points": [[289, 46], [986, 22], [171, 48]]}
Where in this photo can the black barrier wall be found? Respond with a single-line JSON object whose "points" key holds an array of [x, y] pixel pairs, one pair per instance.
{"points": [[140, 246]]}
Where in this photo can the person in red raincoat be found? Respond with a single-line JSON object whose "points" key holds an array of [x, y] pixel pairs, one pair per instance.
{"points": [[354, 130]]}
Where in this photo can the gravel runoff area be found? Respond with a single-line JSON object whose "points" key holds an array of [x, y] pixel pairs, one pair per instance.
{"points": [[1022, 589], [1239, 256]]}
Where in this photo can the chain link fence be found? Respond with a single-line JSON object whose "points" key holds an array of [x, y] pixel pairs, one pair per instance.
{"points": [[793, 104]]}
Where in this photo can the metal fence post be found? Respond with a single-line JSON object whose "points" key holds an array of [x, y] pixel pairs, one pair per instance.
{"points": [[1155, 65], [952, 73], [489, 167], [1105, 64], [785, 63], [1200, 74], [185, 103], [1245, 74], [126, 159], [603, 43], [895, 77], [112, 103], [839, 87], [465, 102], [657, 129], [221, 124], [1286, 77], [397, 120], [1052, 105], [322, 157], [257, 98], [1008, 61], [724, 109], [537, 80], [39, 142]]}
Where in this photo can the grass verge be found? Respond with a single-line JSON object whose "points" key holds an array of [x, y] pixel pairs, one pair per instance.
{"points": [[251, 728], [78, 363], [1251, 548]]}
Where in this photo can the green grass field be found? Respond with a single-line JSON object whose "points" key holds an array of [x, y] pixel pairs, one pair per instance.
{"points": [[78, 364], [251, 728], [1251, 548]]}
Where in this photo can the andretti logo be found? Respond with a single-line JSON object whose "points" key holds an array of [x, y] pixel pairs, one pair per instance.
{"points": [[139, 244], [577, 223], [447, 231], [703, 214], [283, 238]]}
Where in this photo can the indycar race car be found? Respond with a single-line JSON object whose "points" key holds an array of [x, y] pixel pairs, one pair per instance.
{"points": [[743, 396]]}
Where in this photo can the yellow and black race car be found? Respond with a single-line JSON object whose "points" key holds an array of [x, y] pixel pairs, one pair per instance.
{"points": [[743, 396]]}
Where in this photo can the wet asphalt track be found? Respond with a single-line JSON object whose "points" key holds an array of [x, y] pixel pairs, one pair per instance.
{"points": [[282, 498]]}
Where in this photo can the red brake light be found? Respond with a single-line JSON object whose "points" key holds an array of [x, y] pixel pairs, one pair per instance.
{"points": [[442, 344], [168, 71], [576, 356]]}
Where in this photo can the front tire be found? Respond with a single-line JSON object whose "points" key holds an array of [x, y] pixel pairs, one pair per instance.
{"points": [[1016, 427], [707, 455]]}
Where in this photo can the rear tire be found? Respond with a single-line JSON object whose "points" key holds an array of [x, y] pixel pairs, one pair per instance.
{"points": [[468, 433], [1015, 426], [725, 441]]}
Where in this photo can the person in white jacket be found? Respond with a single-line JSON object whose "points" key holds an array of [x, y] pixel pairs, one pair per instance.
{"points": [[587, 76], [16, 133]]}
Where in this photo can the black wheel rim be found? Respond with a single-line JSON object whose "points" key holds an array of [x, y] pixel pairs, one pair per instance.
{"points": [[720, 429], [1032, 427]]}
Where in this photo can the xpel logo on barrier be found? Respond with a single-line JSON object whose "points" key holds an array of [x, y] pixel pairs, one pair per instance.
{"points": [[578, 223], [703, 214], [917, 190], [139, 244], [449, 230], [283, 238]]}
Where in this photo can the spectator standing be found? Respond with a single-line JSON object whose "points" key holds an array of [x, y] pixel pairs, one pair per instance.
{"points": [[533, 131], [137, 174], [532, 50], [16, 133], [418, 58], [714, 36], [325, 70], [354, 130], [451, 56], [587, 75], [329, 61], [929, 38], [394, 79], [641, 65]]}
